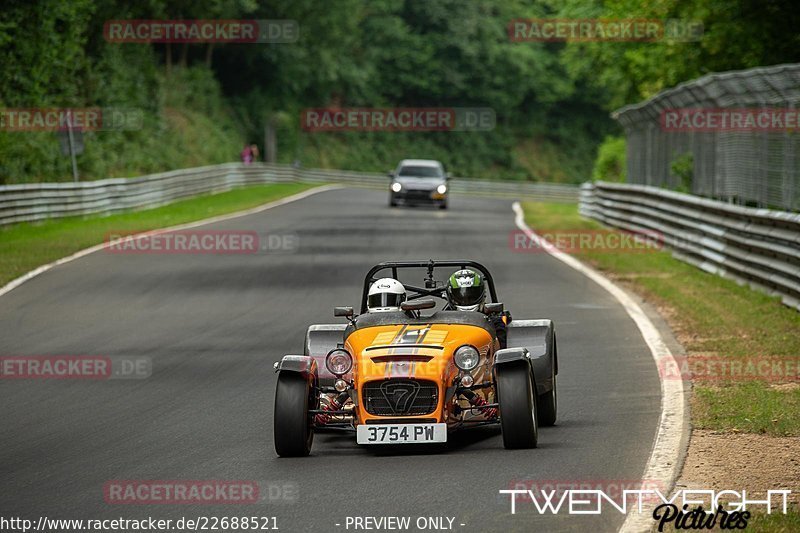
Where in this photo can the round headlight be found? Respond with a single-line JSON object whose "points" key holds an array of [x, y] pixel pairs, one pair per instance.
{"points": [[339, 362], [441, 189], [396, 187], [466, 357]]}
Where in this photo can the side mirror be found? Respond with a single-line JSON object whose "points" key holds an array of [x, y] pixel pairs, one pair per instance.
{"points": [[494, 308], [345, 311], [390, 174], [447, 176], [418, 305]]}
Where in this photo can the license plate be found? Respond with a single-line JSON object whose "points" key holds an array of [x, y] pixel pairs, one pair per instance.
{"points": [[401, 433]]}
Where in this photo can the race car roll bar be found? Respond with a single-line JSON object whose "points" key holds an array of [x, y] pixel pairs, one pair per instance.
{"points": [[431, 288]]}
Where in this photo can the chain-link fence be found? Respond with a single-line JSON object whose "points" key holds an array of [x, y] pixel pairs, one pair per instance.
{"points": [[733, 136]]}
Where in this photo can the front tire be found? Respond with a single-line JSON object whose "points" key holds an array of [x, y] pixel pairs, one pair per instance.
{"points": [[515, 394], [292, 423]]}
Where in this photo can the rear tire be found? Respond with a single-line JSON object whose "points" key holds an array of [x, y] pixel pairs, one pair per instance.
{"points": [[548, 402], [515, 394], [292, 423], [548, 406]]}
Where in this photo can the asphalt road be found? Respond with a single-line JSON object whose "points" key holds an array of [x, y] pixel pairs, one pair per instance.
{"points": [[214, 324]]}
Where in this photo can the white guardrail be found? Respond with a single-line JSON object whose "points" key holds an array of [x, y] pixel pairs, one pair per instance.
{"points": [[37, 201], [760, 247]]}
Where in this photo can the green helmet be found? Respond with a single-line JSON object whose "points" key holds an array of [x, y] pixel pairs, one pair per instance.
{"points": [[466, 290]]}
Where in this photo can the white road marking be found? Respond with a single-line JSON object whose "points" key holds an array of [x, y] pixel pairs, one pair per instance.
{"points": [[662, 466], [13, 284]]}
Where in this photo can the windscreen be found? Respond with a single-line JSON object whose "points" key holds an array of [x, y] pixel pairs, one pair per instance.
{"points": [[420, 172]]}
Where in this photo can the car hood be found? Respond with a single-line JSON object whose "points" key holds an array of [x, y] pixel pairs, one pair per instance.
{"points": [[421, 350], [427, 184]]}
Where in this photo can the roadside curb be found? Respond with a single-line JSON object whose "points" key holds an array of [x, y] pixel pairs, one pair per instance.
{"points": [[672, 436], [13, 284]]}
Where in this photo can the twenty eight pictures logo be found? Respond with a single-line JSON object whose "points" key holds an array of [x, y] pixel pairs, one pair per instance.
{"points": [[528, 490], [547, 499], [201, 31]]}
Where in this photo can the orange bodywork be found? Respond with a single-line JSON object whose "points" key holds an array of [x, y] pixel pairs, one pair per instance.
{"points": [[419, 351]]}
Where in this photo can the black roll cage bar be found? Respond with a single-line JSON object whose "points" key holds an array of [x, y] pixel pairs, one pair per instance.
{"points": [[431, 288]]}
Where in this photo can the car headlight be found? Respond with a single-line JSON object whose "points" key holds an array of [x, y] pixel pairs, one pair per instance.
{"points": [[441, 189], [339, 362], [396, 187], [467, 357]]}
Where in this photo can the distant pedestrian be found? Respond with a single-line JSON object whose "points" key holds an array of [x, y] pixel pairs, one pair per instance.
{"points": [[247, 155], [254, 151]]}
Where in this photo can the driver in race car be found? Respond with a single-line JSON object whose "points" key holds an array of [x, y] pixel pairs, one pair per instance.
{"points": [[466, 291], [385, 295]]}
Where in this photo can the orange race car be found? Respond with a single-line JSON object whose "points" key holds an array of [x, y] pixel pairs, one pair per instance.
{"points": [[408, 378]]}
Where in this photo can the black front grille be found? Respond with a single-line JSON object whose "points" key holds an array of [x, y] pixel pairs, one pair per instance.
{"points": [[400, 397], [401, 421], [418, 195]]}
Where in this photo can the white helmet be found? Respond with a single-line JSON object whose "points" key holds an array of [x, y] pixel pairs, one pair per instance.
{"points": [[386, 294]]}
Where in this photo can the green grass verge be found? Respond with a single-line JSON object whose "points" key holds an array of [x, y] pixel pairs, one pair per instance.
{"points": [[24, 247], [775, 522], [713, 316]]}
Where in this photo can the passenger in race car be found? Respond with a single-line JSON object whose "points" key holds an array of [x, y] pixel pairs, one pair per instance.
{"points": [[466, 291]]}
